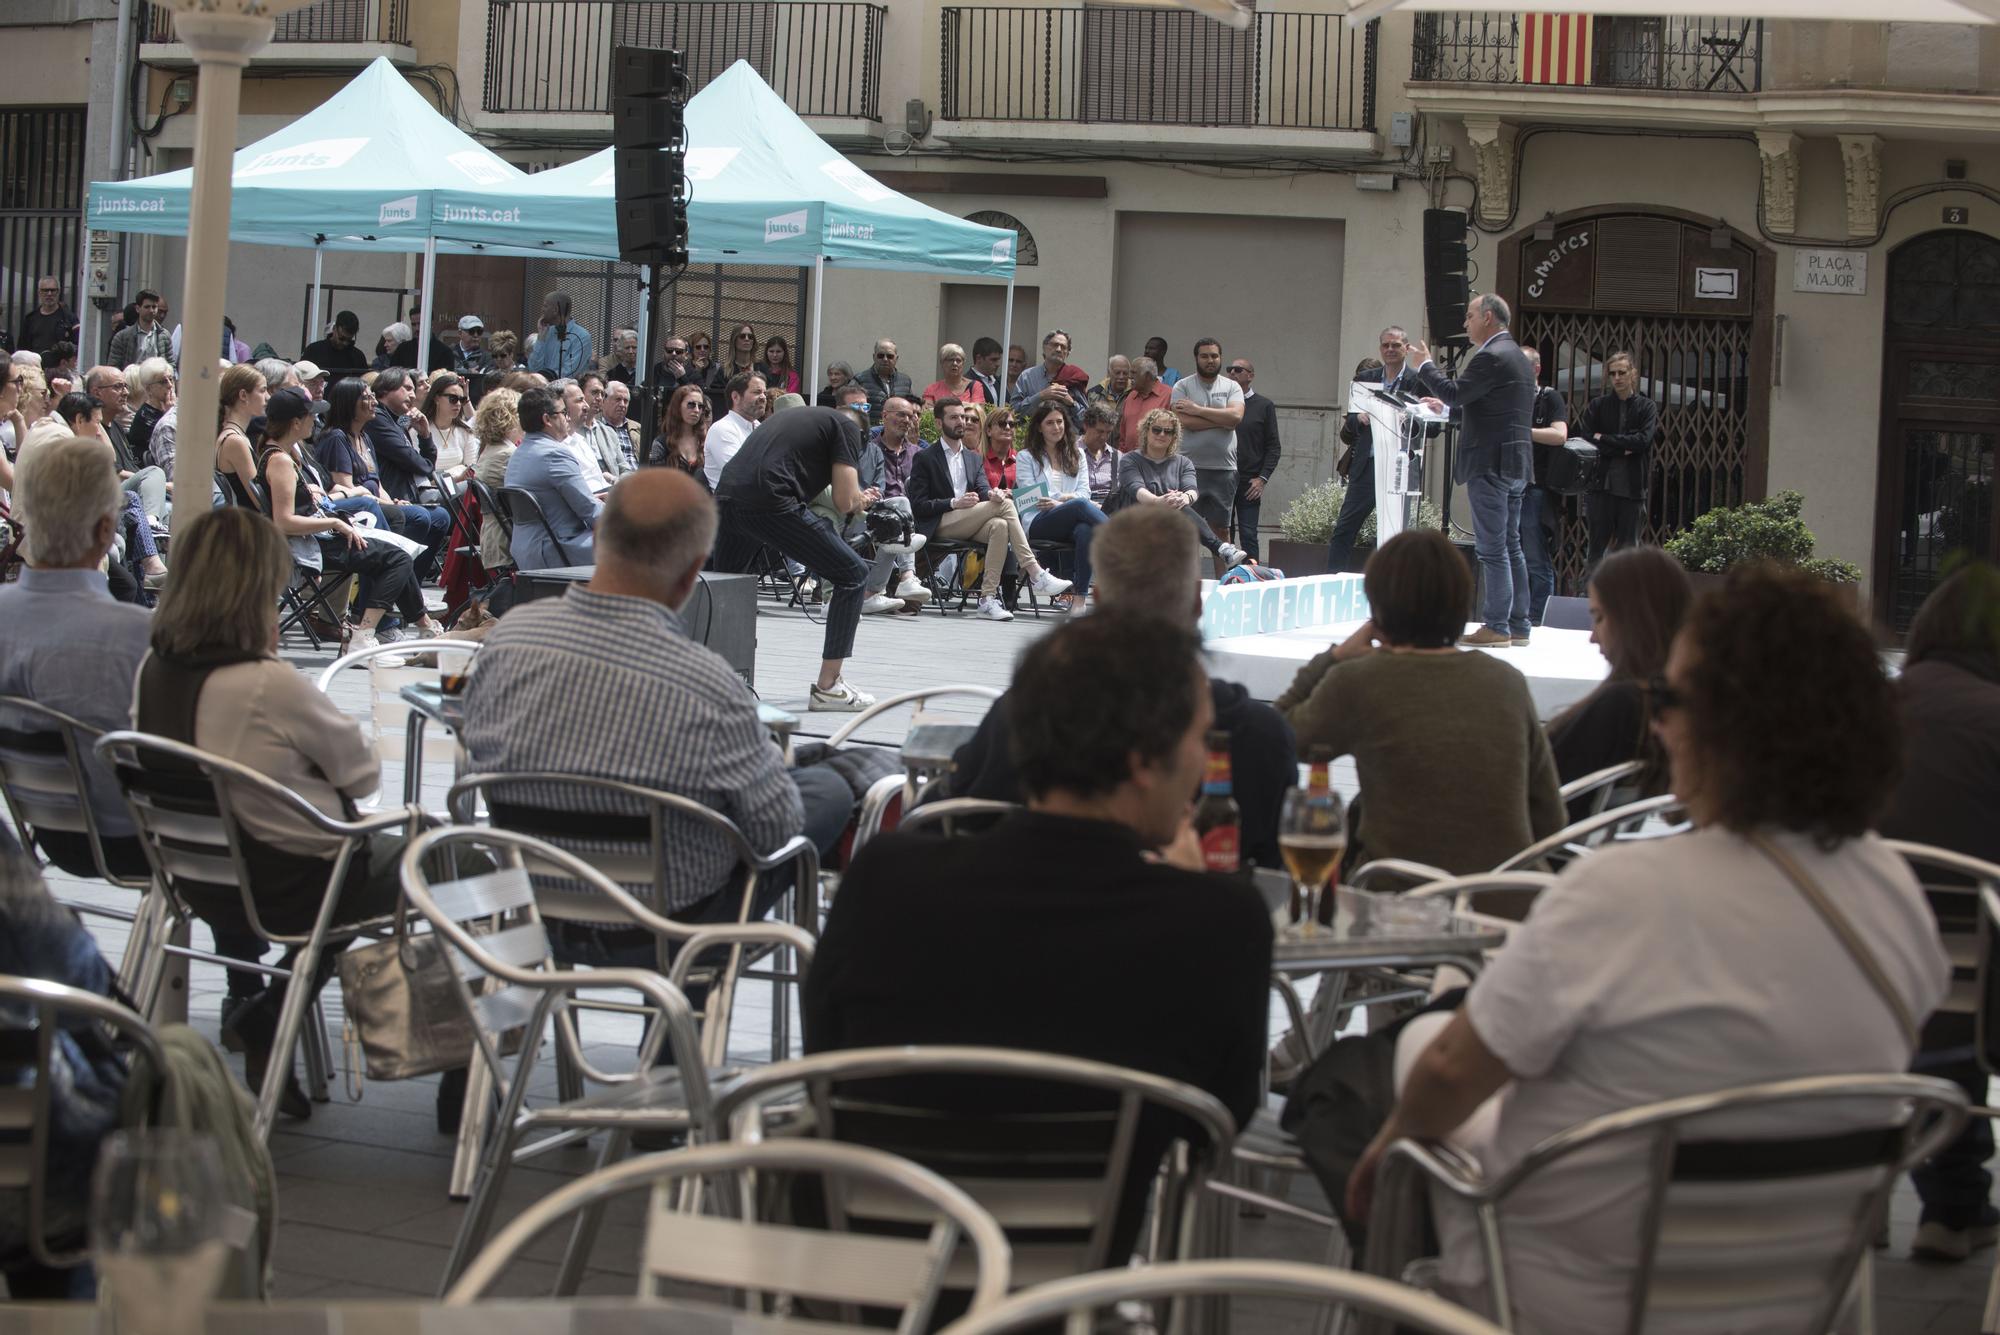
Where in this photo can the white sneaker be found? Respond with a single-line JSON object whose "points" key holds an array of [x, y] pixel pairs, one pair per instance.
{"points": [[842, 699], [911, 590], [1048, 585], [995, 610], [367, 639], [881, 602], [420, 631], [910, 548], [1232, 555]]}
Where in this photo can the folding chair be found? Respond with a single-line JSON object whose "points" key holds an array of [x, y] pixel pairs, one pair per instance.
{"points": [[1078, 1297], [1770, 1230], [1047, 1144], [182, 801], [932, 560], [314, 594], [760, 1261], [32, 1013], [521, 507], [492, 927], [489, 506]]}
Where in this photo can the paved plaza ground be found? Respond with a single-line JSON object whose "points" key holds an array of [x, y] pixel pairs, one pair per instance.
{"points": [[362, 1185]]}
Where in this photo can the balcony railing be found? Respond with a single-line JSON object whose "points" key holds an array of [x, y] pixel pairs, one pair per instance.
{"points": [[326, 21], [823, 57], [1678, 54], [1116, 65]]}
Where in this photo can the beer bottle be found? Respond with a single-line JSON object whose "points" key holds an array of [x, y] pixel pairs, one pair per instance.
{"points": [[1218, 822]]}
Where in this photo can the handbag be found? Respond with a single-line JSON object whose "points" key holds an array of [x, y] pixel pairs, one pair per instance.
{"points": [[1574, 467], [404, 1006]]}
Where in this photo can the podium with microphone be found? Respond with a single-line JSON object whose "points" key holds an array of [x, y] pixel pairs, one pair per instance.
{"points": [[1399, 423]]}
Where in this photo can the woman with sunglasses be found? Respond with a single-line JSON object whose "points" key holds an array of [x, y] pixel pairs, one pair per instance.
{"points": [[1157, 473], [777, 368], [445, 418], [996, 449]]}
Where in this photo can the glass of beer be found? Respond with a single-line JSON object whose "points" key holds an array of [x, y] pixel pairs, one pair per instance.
{"points": [[1312, 836]]}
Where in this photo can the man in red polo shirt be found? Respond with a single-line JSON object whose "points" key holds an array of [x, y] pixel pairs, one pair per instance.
{"points": [[1148, 392]]}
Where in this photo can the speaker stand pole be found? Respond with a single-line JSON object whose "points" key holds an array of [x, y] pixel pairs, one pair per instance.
{"points": [[649, 400], [1449, 440]]}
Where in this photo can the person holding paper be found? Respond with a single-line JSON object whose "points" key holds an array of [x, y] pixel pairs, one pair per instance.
{"points": [[1053, 489]]}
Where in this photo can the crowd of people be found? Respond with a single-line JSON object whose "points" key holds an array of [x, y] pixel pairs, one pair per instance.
{"points": [[1673, 966]]}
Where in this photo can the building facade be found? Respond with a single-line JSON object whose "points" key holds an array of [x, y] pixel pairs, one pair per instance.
{"points": [[1792, 225]]}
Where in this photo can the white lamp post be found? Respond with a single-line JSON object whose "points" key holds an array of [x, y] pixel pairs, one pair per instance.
{"points": [[222, 35]]}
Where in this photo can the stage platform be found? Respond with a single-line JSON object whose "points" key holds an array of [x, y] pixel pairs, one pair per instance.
{"points": [[1261, 634]]}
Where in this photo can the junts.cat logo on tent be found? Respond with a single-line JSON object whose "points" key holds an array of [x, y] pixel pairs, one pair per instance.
{"points": [[399, 211], [785, 226], [317, 156]]}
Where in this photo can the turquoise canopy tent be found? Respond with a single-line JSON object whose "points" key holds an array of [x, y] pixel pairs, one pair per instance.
{"points": [[359, 172], [764, 189]]}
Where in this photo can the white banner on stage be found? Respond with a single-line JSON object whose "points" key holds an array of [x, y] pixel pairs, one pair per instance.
{"points": [[1229, 611]]}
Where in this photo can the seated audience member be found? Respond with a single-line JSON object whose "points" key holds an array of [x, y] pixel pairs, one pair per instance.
{"points": [[344, 451], [746, 405], [1684, 966], [107, 385], [498, 427], [683, 427], [242, 395], [951, 498], [1099, 446], [445, 418], [1063, 511], [1157, 473], [157, 382], [338, 352], [952, 381], [1464, 782], [996, 449], [82, 415], [1949, 694], [503, 346], [891, 452], [68, 644], [547, 469], [1146, 565], [837, 375], [776, 367], [39, 938], [1098, 883], [1638, 596], [406, 464], [321, 539], [214, 680], [605, 682]]}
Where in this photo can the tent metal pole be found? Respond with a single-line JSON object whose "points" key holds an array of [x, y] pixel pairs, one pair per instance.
{"points": [[1006, 336], [313, 329], [424, 306], [644, 326], [814, 363]]}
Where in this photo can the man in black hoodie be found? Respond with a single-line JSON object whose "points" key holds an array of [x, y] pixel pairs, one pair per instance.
{"points": [[1145, 559]]}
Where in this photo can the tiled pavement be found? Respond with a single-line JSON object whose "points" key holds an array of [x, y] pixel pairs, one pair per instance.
{"points": [[362, 1185]]}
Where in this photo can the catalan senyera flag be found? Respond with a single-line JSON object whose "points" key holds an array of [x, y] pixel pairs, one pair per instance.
{"points": [[1555, 48]]}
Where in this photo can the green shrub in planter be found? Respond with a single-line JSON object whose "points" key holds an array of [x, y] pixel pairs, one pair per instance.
{"points": [[1310, 517], [1766, 530]]}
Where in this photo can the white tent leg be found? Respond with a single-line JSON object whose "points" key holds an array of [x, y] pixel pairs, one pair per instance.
{"points": [[815, 367], [314, 330], [424, 306], [1006, 337]]}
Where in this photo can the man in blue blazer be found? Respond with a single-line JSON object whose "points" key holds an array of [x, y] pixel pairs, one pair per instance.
{"points": [[546, 467], [1494, 462]]}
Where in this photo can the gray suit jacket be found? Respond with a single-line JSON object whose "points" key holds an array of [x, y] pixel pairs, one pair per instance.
{"points": [[551, 472], [1496, 402]]}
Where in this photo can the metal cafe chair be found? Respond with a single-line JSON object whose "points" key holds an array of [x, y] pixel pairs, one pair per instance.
{"points": [[1580, 837], [182, 801], [946, 814], [32, 1013], [492, 928], [1772, 1226], [45, 781], [399, 733], [1331, 1290], [1599, 786], [622, 830], [1497, 898], [768, 1264], [1049, 1147]]}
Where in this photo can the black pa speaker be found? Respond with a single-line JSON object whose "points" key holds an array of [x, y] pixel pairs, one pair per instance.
{"points": [[1447, 282], [649, 91]]}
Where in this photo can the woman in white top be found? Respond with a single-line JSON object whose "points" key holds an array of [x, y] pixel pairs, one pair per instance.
{"points": [[1691, 964], [446, 419], [1052, 492]]}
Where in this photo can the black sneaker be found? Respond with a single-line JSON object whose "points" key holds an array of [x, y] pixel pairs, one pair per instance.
{"points": [[232, 1012], [258, 1026]]}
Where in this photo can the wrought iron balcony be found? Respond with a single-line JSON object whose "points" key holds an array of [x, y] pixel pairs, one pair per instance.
{"points": [[1116, 65], [328, 21], [554, 56], [1674, 54]]}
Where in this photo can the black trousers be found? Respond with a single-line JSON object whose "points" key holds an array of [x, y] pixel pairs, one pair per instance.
{"points": [[1247, 514], [1612, 519], [386, 575], [808, 539]]}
